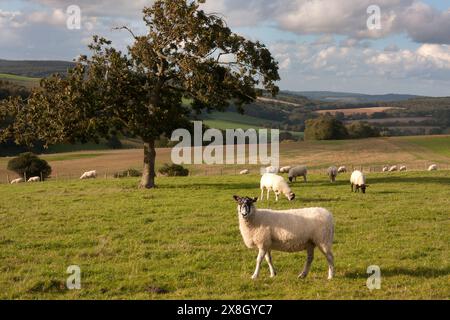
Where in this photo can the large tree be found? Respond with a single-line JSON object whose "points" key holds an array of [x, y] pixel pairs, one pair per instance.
{"points": [[186, 54]]}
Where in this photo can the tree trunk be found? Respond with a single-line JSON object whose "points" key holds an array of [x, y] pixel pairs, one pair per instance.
{"points": [[148, 173]]}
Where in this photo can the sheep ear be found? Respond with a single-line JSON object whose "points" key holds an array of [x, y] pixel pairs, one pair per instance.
{"points": [[237, 198], [255, 200]]}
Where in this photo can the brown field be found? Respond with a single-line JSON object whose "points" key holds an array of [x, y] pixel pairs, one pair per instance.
{"points": [[372, 154], [347, 112], [401, 120]]}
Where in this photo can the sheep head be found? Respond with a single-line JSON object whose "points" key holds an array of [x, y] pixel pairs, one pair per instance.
{"points": [[246, 205]]}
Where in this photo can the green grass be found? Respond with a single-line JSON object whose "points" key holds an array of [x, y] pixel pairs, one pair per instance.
{"points": [[20, 80], [183, 239], [439, 145]]}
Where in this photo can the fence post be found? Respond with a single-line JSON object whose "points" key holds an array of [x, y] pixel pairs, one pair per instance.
{"points": [[25, 177], [42, 177], [7, 178]]}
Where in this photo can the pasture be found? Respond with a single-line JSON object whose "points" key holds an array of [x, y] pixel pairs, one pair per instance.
{"points": [[182, 241]]}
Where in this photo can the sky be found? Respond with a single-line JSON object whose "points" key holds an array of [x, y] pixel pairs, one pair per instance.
{"points": [[321, 45]]}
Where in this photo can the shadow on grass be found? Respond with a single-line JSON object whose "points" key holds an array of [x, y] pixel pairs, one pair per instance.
{"points": [[421, 272]]}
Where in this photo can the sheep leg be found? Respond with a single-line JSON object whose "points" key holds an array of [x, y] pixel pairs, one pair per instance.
{"points": [[269, 261], [305, 178], [330, 259], [309, 260], [352, 187], [268, 194], [277, 196], [259, 259], [262, 194]]}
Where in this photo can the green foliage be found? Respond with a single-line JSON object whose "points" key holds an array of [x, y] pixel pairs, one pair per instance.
{"points": [[361, 130], [174, 170], [325, 128], [30, 165], [114, 142], [186, 54]]}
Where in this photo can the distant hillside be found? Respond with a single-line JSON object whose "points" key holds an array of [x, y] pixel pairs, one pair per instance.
{"points": [[347, 97], [34, 69]]}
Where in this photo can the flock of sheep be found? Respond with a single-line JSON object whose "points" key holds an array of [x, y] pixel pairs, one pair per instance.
{"points": [[87, 175], [293, 230]]}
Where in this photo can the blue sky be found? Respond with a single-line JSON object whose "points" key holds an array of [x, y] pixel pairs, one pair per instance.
{"points": [[320, 44]]}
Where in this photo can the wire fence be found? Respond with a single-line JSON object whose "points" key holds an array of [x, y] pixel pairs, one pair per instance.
{"points": [[216, 171]]}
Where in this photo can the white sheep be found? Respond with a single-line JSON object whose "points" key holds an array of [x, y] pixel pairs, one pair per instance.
{"points": [[299, 171], [34, 179], [286, 231], [285, 169], [244, 172], [89, 175], [393, 169], [272, 169], [16, 181], [433, 167], [332, 173], [342, 169], [277, 184], [358, 180], [403, 168], [385, 168]]}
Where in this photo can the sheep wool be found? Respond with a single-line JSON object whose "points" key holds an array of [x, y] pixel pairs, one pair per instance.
{"points": [[299, 171], [358, 181], [286, 231], [277, 184]]}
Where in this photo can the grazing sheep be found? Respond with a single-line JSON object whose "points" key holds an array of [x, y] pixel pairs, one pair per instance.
{"points": [[273, 170], [385, 168], [89, 175], [393, 169], [286, 231], [342, 169], [433, 167], [34, 179], [358, 180], [285, 169], [16, 181], [244, 172], [277, 184], [403, 168], [332, 173], [299, 171]]}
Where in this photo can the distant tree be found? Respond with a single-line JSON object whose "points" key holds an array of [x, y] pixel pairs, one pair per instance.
{"points": [[114, 142], [30, 165], [360, 130], [186, 53], [325, 128]]}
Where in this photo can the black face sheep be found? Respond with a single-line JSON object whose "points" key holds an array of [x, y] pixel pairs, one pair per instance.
{"points": [[358, 181], [299, 171], [277, 184], [287, 231]]}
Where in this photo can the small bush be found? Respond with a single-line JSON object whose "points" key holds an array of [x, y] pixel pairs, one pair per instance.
{"points": [[174, 170], [128, 173], [31, 165]]}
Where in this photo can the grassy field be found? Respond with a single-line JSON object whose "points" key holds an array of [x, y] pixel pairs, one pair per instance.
{"points": [[20, 80], [181, 240]]}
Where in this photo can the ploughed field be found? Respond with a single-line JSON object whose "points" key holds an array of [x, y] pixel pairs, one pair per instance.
{"points": [[182, 240]]}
